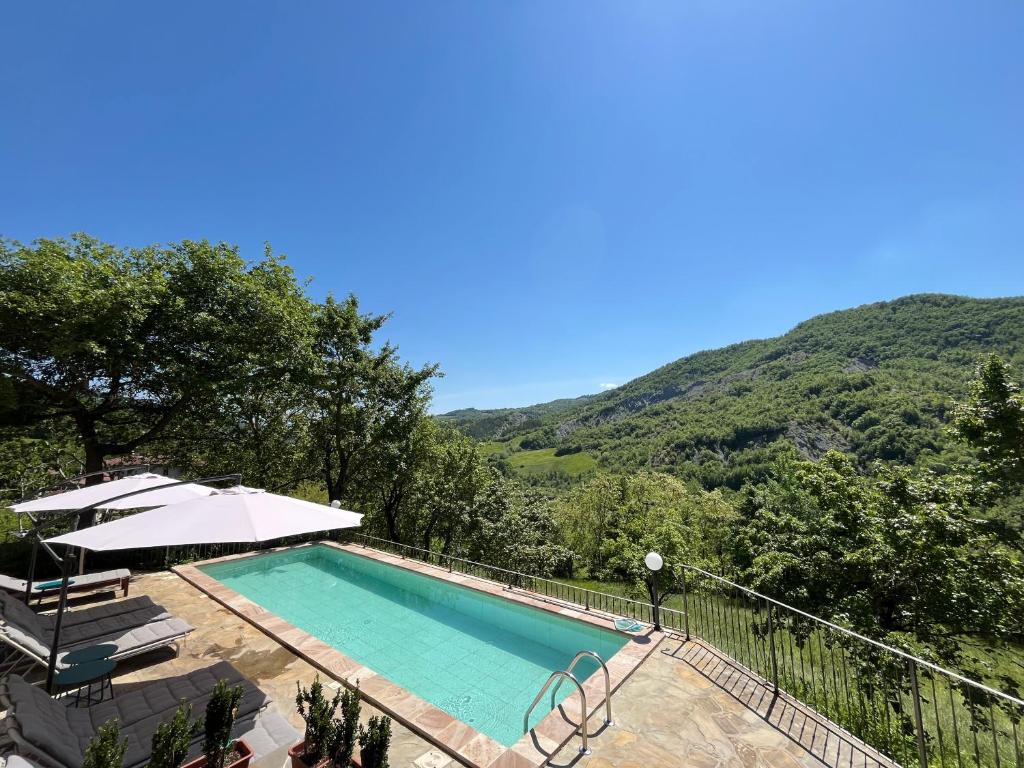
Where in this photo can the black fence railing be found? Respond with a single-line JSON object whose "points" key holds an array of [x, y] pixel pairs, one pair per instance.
{"points": [[910, 710], [552, 589], [913, 711]]}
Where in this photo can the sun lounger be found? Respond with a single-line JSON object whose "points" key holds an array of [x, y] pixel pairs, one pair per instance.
{"points": [[135, 625], [87, 582], [49, 734]]}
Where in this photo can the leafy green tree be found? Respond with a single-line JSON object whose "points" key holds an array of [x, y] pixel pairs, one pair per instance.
{"points": [[451, 476], [514, 529], [33, 460], [899, 555], [650, 518], [258, 427], [584, 515], [991, 420], [367, 406], [121, 343], [607, 520]]}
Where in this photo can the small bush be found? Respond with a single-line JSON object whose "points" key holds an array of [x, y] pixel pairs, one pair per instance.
{"points": [[171, 740], [374, 740], [220, 719], [106, 749], [318, 713]]}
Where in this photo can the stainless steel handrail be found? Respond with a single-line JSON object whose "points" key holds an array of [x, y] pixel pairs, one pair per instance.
{"points": [[562, 674], [607, 683]]}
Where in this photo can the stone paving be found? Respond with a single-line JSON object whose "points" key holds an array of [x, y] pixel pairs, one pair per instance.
{"points": [[684, 706]]}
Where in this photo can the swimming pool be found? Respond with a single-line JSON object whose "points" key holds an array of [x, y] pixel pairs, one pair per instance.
{"points": [[478, 657]]}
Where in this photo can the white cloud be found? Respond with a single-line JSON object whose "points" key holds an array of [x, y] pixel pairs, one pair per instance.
{"points": [[607, 385]]}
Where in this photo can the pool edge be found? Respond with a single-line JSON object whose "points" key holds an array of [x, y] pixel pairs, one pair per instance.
{"points": [[455, 738]]}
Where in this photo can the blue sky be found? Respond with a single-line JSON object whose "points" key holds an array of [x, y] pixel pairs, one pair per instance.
{"points": [[551, 197]]}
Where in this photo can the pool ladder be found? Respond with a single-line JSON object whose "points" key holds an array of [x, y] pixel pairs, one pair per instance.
{"points": [[566, 674]]}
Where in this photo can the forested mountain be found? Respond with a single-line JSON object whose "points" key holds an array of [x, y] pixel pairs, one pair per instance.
{"points": [[875, 381], [500, 423]]}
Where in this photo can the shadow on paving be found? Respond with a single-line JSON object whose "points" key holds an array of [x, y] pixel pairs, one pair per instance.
{"points": [[819, 736]]}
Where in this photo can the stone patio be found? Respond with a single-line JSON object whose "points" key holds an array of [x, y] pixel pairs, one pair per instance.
{"points": [[685, 705]]}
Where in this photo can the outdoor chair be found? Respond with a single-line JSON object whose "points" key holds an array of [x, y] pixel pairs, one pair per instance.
{"points": [[135, 626], [88, 582], [47, 734]]}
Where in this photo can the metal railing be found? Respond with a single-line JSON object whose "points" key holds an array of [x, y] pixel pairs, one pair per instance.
{"points": [[554, 590], [910, 710], [607, 682], [561, 675], [913, 711]]}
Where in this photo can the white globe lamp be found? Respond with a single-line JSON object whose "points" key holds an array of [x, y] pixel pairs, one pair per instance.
{"points": [[654, 562]]}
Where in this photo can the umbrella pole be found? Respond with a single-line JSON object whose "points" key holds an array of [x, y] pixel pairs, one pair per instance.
{"points": [[31, 570], [51, 670]]}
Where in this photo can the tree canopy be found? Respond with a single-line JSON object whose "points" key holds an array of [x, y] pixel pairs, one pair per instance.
{"points": [[123, 342]]}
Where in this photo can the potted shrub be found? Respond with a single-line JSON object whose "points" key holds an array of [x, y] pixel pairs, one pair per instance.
{"points": [[373, 742], [219, 749], [318, 713], [171, 741], [106, 749], [346, 730]]}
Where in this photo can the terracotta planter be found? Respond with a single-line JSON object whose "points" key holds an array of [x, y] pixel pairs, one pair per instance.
{"points": [[243, 754], [295, 753]]}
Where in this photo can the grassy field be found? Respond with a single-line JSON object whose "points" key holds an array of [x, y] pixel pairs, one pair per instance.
{"points": [[493, 447], [543, 462]]}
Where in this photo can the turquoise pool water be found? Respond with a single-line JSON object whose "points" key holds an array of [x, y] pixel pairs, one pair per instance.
{"points": [[479, 658]]}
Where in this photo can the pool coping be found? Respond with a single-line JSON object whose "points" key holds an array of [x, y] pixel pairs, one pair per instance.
{"points": [[455, 738]]}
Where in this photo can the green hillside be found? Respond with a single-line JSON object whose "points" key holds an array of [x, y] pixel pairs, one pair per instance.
{"points": [[875, 381]]}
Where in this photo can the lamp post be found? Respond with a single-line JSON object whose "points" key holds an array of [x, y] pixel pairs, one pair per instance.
{"points": [[654, 563]]}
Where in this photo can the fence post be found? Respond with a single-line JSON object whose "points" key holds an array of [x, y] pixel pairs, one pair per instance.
{"points": [[771, 647], [686, 606], [922, 747]]}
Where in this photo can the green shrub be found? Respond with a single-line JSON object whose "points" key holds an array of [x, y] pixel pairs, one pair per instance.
{"points": [[171, 740], [374, 740], [318, 713], [346, 729], [106, 749], [220, 719]]}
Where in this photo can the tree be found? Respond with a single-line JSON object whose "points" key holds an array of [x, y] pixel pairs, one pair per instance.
{"points": [[259, 429], [584, 515], [123, 342], [367, 406], [651, 518], [30, 461], [514, 529], [607, 520], [451, 477], [991, 420], [898, 555]]}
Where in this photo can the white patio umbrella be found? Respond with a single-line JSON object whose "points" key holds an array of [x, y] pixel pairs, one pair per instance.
{"points": [[97, 495], [231, 515], [226, 516]]}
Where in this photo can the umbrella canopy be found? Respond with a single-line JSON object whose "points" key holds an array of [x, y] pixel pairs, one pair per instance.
{"points": [[81, 498], [229, 516]]}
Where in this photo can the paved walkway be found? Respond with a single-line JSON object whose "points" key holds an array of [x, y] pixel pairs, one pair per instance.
{"points": [[689, 706], [685, 706]]}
